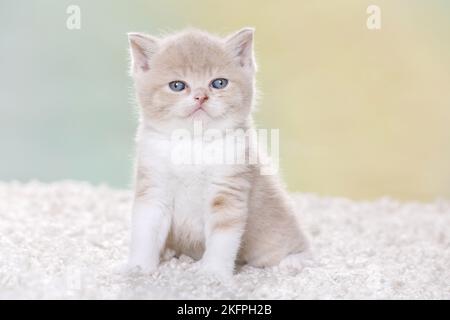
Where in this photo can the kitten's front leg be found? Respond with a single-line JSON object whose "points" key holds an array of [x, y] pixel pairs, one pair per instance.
{"points": [[225, 224], [150, 227]]}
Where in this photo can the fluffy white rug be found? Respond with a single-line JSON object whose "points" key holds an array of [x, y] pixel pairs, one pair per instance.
{"points": [[64, 240]]}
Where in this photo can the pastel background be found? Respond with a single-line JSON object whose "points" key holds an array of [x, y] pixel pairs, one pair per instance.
{"points": [[362, 114]]}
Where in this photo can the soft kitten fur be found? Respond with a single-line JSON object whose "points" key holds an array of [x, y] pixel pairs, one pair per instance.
{"points": [[220, 214]]}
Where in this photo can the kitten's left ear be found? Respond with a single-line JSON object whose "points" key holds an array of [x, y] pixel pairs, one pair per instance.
{"points": [[142, 47], [241, 45]]}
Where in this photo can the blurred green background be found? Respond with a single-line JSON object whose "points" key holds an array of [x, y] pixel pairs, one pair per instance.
{"points": [[362, 113]]}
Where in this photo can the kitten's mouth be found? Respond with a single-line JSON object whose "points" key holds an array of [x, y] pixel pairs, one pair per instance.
{"points": [[197, 110]]}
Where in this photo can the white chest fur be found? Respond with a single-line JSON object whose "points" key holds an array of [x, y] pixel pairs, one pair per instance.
{"points": [[184, 189]]}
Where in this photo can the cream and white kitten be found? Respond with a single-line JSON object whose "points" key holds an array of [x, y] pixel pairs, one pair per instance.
{"points": [[218, 214]]}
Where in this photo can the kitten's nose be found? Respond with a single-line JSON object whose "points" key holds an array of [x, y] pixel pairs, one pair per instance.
{"points": [[201, 98]]}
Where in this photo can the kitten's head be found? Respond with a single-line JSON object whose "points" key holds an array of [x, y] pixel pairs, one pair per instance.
{"points": [[193, 75]]}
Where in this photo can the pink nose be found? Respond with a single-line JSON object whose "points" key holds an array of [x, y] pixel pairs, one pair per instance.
{"points": [[201, 98]]}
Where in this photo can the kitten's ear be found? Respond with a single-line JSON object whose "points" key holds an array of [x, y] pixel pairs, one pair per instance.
{"points": [[142, 48], [241, 45]]}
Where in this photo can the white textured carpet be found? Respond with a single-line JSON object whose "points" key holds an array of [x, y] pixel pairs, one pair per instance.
{"points": [[64, 240]]}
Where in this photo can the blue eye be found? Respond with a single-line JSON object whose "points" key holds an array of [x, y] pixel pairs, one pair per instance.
{"points": [[177, 85], [219, 83]]}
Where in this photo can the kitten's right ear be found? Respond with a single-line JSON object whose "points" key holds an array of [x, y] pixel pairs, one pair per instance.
{"points": [[241, 45], [142, 48]]}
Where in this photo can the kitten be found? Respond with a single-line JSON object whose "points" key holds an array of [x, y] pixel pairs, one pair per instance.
{"points": [[218, 214]]}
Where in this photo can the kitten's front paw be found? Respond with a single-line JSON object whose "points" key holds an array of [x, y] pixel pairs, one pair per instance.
{"points": [[215, 270]]}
